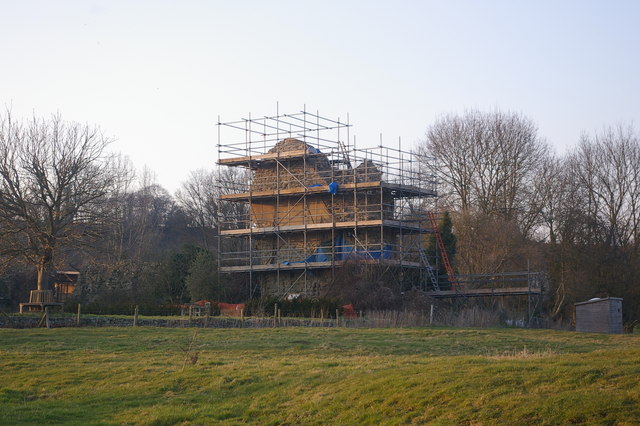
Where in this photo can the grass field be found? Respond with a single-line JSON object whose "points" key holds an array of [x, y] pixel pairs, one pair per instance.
{"points": [[317, 376]]}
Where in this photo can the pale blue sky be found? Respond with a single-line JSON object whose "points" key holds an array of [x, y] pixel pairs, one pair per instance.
{"points": [[156, 74]]}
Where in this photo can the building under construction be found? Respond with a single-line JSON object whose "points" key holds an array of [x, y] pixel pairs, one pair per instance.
{"points": [[300, 201]]}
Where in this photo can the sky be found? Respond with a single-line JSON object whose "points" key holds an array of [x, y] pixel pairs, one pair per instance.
{"points": [[156, 75]]}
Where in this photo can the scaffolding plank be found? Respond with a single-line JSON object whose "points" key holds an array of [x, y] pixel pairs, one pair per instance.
{"points": [[403, 190], [412, 226], [400, 190], [313, 265], [270, 156]]}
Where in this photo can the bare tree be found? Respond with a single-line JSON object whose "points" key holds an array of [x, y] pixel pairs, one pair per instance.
{"points": [[200, 195], [452, 140], [198, 198], [606, 171], [489, 162], [592, 216], [55, 179], [488, 244], [493, 168]]}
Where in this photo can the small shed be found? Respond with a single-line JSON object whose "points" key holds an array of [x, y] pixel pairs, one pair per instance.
{"points": [[600, 315]]}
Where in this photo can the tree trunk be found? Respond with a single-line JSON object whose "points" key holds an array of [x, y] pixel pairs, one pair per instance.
{"points": [[41, 274], [43, 267]]}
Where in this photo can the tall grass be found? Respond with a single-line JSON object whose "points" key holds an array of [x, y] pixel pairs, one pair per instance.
{"points": [[469, 317]]}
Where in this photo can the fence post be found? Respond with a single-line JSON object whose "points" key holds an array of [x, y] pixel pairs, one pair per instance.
{"points": [[241, 318], [135, 316], [337, 318], [78, 316], [275, 314], [431, 315], [46, 317]]}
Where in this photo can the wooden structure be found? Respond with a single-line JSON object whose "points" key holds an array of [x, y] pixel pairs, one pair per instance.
{"points": [[39, 300], [198, 309], [65, 284], [600, 315], [312, 202], [498, 284]]}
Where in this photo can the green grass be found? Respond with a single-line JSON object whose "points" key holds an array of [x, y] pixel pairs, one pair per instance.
{"points": [[317, 376]]}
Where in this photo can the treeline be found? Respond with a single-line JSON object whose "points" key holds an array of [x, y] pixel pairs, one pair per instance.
{"points": [[151, 251], [66, 202], [517, 205]]}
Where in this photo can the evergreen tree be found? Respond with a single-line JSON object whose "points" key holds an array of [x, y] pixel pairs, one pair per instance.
{"points": [[202, 279], [445, 227]]}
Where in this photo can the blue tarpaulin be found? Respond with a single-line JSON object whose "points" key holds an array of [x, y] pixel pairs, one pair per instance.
{"points": [[342, 250], [318, 256], [333, 188], [385, 253]]}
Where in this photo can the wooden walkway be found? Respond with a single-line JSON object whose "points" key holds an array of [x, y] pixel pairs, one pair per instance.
{"points": [[482, 292]]}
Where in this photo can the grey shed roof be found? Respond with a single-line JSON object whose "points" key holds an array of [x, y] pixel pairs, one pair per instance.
{"points": [[596, 300]]}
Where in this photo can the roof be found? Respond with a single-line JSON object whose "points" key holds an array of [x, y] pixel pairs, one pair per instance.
{"points": [[292, 144], [597, 300]]}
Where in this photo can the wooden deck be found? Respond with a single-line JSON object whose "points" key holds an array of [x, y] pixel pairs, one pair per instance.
{"points": [[396, 189], [409, 227], [482, 292]]}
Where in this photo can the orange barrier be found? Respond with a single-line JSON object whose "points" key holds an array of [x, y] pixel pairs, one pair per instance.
{"points": [[349, 312]]}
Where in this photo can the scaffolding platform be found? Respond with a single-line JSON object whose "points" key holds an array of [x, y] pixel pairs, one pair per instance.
{"points": [[407, 227], [253, 161], [499, 284], [397, 190], [316, 265]]}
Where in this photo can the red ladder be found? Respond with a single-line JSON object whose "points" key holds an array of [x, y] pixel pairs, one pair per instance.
{"points": [[443, 251]]}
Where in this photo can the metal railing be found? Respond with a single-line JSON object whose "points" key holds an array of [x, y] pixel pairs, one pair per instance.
{"points": [[286, 256]]}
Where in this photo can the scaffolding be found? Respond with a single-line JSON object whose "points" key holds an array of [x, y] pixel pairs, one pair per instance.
{"points": [[303, 201]]}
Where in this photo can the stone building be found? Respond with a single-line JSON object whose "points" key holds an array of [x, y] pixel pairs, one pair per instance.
{"points": [[311, 204]]}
